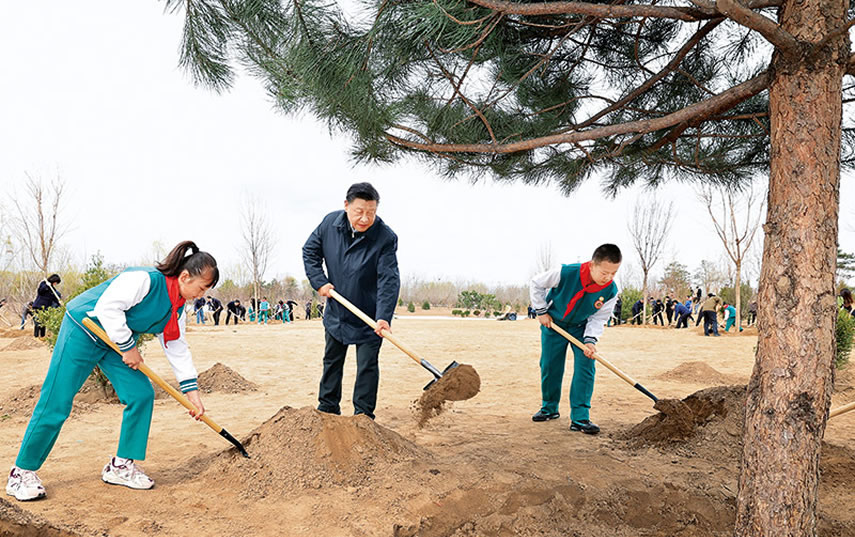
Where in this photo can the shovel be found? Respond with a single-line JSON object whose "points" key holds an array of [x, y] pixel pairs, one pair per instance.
{"points": [[841, 410], [606, 363], [178, 396], [388, 335]]}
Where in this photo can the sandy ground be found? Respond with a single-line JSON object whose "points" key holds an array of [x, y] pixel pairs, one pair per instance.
{"points": [[482, 467]]}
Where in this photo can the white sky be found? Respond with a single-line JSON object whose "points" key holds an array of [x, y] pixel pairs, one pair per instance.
{"points": [[92, 90]]}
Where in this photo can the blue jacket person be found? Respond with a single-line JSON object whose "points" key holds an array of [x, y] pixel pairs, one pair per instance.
{"points": [[359, 251], [579, 298]]}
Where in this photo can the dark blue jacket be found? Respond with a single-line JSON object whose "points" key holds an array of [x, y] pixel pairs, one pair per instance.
{"points": [[363, 267], [45, 297]]}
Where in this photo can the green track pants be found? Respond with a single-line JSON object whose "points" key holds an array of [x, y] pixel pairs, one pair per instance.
{"points": [[553, 353], [74, 357]]}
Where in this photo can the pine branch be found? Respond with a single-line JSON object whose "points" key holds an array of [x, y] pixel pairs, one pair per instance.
{"points": [[596, 10], [694, 112], [781, 39]]}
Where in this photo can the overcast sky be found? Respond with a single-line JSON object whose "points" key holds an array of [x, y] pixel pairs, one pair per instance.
{"points": [[92, 91]]}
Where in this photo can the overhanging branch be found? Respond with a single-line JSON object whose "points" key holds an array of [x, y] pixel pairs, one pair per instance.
{"points": [[596, 10], [693, 113], [765, 26]]}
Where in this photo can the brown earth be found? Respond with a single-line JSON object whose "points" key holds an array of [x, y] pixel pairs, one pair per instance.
{"points": [[481, 468], [458, 384], [23, 344]]}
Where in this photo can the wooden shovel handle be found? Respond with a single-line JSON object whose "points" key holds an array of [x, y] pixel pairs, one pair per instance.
{"points": [[599, 358], [841, 410], [154, 377], [373, 324]]}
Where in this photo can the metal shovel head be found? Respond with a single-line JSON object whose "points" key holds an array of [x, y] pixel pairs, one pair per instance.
{"points": [[448, 368]]}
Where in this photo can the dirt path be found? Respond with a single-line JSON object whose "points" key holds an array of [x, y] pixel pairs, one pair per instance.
{"points": [[481, 468]]}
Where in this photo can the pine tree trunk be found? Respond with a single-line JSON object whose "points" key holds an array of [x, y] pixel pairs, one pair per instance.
{"points": [[790, 388]]}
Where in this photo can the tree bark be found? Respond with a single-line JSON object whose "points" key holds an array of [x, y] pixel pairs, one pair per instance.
{"points": [[644, 300], [790, 388], [737, 298]]}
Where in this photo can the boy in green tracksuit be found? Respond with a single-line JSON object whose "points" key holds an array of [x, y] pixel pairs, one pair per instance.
{"points": [[579, 299]]}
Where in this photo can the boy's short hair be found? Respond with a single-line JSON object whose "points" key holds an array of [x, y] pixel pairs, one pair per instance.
{"points": [[363, 191], [607, 252]]}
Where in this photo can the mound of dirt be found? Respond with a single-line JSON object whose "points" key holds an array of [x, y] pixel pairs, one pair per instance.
{"points": [[21, 401], [305, 448], [718, 418], [221, 378], [24, 344], [15, 333], [15, 522], [458, 384], [698, 372]]}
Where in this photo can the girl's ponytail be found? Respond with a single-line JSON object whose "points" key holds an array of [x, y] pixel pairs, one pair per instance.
{"points": [[197, 263]]}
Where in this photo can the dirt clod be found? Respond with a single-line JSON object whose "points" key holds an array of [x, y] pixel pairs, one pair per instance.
{"points": [[458, 384]]}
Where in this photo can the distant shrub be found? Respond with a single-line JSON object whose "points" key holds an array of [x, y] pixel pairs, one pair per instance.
{"points": [[456, 312], [411, 307], [476, 313], [843, 338], [497, 313], [465, 313], [486, 314], [425, 305], [400, 301]]}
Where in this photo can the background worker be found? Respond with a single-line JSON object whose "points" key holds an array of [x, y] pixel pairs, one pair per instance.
{"points": [[709, 311], [579, 298]]}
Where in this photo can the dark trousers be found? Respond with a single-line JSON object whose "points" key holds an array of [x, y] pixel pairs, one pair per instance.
{"points": [[658, 316], [682, 321], [710, 323], [229, 315], [670, 315], [216, 316], [617, 318], [367, 376], [38, 329]]}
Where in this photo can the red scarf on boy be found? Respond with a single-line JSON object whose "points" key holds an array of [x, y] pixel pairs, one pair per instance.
{"points": [[588, 286], [171, 331]]}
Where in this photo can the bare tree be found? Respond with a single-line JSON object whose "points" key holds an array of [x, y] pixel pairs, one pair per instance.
{"points": [[725, 209], [257, 241], [37, 222], [710, 276], [649, 229]]}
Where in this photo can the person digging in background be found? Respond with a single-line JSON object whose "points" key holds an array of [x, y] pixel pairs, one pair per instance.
{"points": [[47, 296], [359, 251], [136, 301], [729, 316], [709, 311], [579, 298]]}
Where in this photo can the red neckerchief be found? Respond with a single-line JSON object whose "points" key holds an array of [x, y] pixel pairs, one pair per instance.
{"points": [[171, 331], [588, 286]]}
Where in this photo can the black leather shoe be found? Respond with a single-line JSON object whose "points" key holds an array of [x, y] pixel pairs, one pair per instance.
{"points": [[585, 426], [544, 416]]}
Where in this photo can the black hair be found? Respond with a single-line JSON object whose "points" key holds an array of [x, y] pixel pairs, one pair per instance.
{"points": [[846, 295], [197, 263], [607, 252], [54, 278], [363, 191], [710, 294]]}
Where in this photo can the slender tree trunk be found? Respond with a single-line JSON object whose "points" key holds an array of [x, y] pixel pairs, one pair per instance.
{"points": [[644, 300], [790, 388], [737, 299]]}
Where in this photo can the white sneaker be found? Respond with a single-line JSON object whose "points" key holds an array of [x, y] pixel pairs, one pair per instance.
{"points": [[24, 485], [124, 472]]}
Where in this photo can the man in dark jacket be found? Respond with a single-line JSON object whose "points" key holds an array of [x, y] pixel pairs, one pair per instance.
{"points": [[359, 252], [47, 296], [233, 309], [216, 309]]}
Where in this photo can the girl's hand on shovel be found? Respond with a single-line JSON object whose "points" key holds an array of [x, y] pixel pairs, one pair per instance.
{"points": [[197, 402], [132, 358]]}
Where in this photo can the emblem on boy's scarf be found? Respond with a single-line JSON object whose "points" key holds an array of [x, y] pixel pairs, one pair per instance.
{"points": [[599, 303]]}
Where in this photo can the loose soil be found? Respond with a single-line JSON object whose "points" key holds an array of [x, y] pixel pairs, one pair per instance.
{"points": [[23, 344], [480, 468], [458, 384], [221, 378]]}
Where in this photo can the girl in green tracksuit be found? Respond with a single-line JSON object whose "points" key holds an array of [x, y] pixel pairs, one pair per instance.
{"points": [[139, 300]]}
